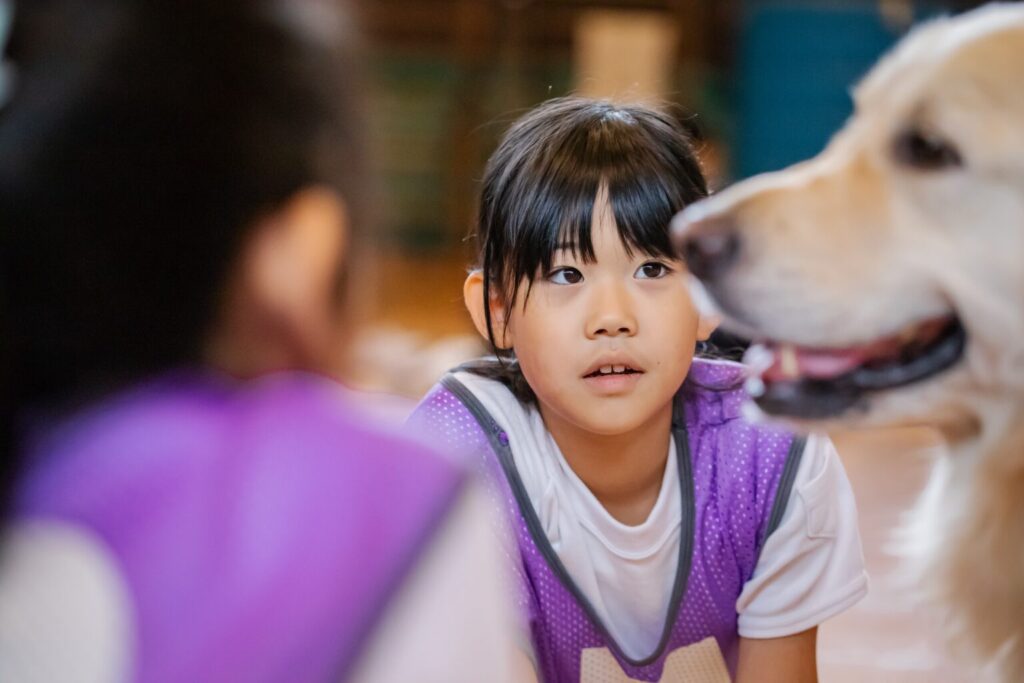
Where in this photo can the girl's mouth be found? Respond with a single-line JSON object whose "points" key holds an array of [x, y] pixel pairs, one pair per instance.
{"points": [[610, 378], [607, 370]]}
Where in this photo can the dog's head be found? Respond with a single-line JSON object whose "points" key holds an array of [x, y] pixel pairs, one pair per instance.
{"points": [[884, 279]]}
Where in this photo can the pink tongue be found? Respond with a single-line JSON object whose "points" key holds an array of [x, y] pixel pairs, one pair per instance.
{"points": [[831, 363], [814, 363]]}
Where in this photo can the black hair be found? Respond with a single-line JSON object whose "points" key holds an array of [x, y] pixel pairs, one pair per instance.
{"points": [[140, 142], [540, 186]]}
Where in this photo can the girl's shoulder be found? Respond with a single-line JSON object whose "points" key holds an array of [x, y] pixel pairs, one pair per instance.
{"points": [[713, 402], [174, 432], [713, 392], [462, 412], [479, 389]]}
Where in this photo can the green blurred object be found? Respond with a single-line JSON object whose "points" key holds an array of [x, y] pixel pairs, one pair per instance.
{"points": [[425, 118]]}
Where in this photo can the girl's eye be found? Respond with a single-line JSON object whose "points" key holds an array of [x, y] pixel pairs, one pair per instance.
{"points": [[565, 276], [652, 270]]}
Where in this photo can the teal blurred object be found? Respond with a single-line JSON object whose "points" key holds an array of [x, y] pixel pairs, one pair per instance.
{"points": [[6, 69], [797, 66]]}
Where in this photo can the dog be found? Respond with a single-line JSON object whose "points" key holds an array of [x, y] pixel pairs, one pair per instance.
{"points": [[883, 284]]}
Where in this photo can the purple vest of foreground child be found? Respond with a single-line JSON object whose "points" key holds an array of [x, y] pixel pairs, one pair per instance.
{"points": [[260, 529]]}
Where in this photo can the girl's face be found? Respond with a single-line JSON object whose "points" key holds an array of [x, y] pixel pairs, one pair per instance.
{"points": [[606, 345]]}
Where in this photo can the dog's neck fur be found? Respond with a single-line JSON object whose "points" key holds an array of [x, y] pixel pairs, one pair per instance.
{"points": [[981, 591]]}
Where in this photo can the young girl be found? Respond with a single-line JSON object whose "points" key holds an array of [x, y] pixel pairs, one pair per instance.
{"points": [[660, 536], [180, 187]]}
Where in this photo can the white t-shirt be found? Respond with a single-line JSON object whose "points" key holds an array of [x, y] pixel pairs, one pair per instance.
{"points": [[810, 568]]}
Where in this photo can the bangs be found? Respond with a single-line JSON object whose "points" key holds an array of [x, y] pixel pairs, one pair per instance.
{"points": [[543, 184], [560, 216]]}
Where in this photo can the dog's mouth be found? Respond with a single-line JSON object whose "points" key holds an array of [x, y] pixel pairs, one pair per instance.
{"points": [[818, 383]]}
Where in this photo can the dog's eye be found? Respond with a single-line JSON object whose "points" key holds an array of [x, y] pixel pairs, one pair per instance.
{"points": [[924, 151]]}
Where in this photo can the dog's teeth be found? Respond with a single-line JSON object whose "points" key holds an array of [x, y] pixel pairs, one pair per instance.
{"points": [[619, 368], [788, 362], [759, 358], [908, 333]]}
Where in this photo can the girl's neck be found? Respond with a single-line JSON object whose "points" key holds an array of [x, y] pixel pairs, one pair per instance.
{"points": [[623, 471]]}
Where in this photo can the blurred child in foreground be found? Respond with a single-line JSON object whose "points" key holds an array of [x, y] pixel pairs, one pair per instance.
{"points": [[187, 495]]}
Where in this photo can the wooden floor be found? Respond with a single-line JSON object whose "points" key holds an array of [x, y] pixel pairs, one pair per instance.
{"points": [[885, 638]]}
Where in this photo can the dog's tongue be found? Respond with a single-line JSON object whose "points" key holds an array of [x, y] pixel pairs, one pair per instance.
{"points": [[791, 362], [780, 362], [777, 361]]}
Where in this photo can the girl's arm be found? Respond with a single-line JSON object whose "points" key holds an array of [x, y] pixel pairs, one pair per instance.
{"points": [[790, 659], [810, 569]]}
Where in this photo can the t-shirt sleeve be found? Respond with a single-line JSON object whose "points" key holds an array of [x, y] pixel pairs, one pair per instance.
{"points": [[811, 567], [65, 610], [454, 620]]}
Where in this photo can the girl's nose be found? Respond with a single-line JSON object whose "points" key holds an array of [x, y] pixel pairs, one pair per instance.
{"points": [[611, 314]]}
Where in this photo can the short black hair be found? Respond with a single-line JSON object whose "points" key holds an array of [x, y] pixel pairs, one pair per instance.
{"points": [[540, 186]]}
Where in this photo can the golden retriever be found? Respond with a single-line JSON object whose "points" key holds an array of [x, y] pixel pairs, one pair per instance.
{"points": [[883, 283]]}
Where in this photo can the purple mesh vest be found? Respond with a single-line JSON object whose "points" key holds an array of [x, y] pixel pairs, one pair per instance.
{"points": [[260, 529], [735, 477]]}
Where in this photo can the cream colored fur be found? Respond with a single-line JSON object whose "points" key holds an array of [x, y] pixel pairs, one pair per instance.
{"points": [[851, 246]]}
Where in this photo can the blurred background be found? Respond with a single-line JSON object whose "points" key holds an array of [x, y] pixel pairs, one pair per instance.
{"points": [[767, 82]]}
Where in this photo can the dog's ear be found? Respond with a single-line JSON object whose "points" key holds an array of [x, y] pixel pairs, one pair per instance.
{"points": [[473, 294]]}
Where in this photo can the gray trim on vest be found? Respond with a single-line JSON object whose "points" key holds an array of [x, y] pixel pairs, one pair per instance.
{"points": [[793, 458], [504, 454]]}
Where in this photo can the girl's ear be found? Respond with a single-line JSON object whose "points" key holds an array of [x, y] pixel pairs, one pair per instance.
{"points": [[707, 324], [473, 294], [279, 309]]}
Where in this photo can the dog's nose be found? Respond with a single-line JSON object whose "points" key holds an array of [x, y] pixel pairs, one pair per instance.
{"points": [[709, 246]]}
